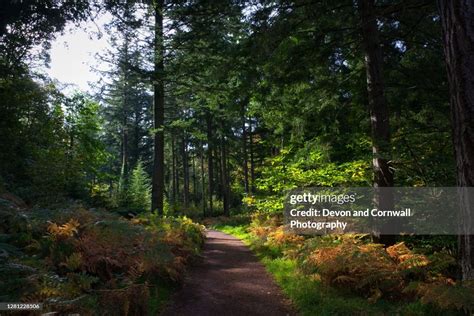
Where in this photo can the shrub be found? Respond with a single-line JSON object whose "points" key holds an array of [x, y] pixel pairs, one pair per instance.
{"points": [[77, 258], [364, 268], [284, 242], [446, 294], [139, 190]]}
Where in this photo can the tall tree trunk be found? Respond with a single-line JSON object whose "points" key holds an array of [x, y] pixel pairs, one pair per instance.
{"points": [[70, 157], [244, 149], [159, 114], [379, 115], [184, 154], [195, 194], [224, 178], [378, 109], [136, 141], [457, 19], [124, 167], [252, 161], [210, 163], [124, 112], [173, 169], [203, 180], [218, 169], [177, 178]]}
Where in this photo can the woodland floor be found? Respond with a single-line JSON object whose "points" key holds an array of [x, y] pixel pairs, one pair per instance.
{"points": [[228, 280]]}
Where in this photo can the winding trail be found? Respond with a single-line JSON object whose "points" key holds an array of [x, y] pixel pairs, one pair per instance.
{"points": [[229, 280]]}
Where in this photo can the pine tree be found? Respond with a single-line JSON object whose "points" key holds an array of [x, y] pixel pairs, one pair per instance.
{"points": [[458, 31], [139, 191]]}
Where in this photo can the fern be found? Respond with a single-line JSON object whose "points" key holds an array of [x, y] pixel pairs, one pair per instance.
{"points": [[63, 231], [447, 295], [7, 250]]}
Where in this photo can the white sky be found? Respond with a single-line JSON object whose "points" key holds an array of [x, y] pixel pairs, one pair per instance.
{"points": [[74, 53]]}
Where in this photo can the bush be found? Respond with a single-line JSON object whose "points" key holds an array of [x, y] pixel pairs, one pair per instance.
{"points": [[353, 264], [363, 268], [79, 258], [446, 294]]}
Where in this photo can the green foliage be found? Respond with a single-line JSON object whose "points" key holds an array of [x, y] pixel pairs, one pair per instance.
{"points": [[285, 79], [339, 274], [289, 171], [49, 153], [33, 150], [304, 168], [309, 295], [444, 294], [78, 258], [139, 189]]}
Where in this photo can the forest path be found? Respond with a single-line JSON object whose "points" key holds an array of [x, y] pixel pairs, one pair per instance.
{"points": [[229, 280]]}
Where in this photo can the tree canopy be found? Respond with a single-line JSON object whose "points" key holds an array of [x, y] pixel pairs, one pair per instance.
{"points": [[211, 108]]}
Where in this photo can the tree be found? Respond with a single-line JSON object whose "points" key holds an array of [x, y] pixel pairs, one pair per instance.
{"points": [[32, 148], [139, 191], [85, 150], [126, 98], [378, 109], [159, 113], [24, 24], [458, 34]]}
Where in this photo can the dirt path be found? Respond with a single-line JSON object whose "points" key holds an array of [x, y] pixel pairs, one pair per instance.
{"points": [[229, 280]]}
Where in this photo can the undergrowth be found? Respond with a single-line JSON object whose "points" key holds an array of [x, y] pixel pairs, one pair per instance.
{"points": [[350, 275], [93, 262]]}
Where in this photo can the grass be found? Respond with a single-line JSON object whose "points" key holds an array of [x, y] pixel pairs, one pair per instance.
{"points": [[310, 296], [239, 231]]}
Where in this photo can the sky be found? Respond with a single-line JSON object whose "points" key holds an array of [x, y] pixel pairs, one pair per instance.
{"points": [[74, 53]]}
